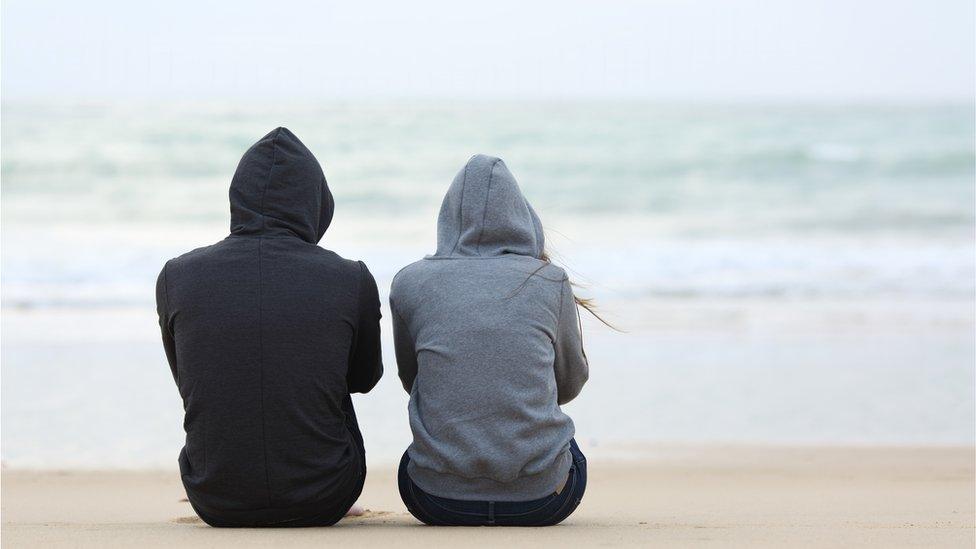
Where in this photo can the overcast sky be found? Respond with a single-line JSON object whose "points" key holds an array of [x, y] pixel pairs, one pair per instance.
{"points": [[671, 49]]}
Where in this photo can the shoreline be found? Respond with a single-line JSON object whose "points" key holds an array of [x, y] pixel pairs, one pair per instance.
{"points": [[669, 495]]}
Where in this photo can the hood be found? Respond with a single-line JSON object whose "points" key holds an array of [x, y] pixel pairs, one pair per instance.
{"points": [[279, 189], [484, 214]]}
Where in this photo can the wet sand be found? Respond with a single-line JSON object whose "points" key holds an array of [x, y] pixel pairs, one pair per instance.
{"points": [[669, 496]]}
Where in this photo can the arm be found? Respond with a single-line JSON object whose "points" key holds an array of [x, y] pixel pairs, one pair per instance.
{"points": [[162, 309], [366, 362], [406, 354], [571, 367]]}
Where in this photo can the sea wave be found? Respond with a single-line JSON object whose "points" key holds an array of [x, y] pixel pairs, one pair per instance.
{"points": [[653, 200]]}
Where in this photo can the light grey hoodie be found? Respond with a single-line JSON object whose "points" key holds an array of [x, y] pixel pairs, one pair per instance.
{"points": [[488, 345]]}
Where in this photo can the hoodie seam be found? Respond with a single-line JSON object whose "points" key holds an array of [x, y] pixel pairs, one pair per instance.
{"points": [[507, 255], [264, 193], [289, 237], [264, 227], [559, 315], [166, 293], [484, 214], [165, 321], [264, 435], [359, 315], [460, 225], [413, 340]]}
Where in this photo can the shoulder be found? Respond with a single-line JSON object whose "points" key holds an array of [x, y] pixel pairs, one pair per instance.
{"points": [[553, 273], [546, 281], [176, 264], [407, 277], [542, 272], [353, 273], [328, 257]]}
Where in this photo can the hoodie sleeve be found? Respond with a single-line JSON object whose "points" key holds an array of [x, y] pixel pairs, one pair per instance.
{"points": [[162, 309], [406, 354], [571, 367], [366, 364]]}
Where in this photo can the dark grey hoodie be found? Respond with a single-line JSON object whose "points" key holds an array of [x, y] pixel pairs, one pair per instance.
{"points": [[488, 345], [266, 335]]}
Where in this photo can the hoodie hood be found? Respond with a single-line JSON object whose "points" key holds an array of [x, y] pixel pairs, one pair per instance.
{"points": [[485, 214], [279, 189]]}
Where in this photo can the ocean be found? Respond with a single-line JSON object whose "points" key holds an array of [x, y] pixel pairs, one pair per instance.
{"points": [[779, 273]]}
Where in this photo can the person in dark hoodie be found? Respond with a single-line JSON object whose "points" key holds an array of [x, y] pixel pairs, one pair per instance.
{"points": [[488, 345], [267, 334]]}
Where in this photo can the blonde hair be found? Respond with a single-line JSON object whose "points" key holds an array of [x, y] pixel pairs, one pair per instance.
{"points": [[584, 302]]}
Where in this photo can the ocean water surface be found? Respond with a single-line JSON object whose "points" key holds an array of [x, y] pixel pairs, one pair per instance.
{"points": [[793, 274]]}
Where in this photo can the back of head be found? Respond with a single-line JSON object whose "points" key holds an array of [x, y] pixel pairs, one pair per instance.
{"points": [[279, 189], [484, 214]]}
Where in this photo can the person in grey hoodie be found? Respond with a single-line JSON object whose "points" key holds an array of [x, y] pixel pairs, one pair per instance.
{"points": [[488, 345]]}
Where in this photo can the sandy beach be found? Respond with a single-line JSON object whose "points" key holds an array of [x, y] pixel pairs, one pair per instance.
{"points": [[671, 496]]}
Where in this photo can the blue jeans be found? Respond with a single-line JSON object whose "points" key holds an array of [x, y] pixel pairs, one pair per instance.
{"points": [[547, 511]]}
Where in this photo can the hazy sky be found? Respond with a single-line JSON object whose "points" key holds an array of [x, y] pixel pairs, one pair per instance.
{"points": [[683, 49]]}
